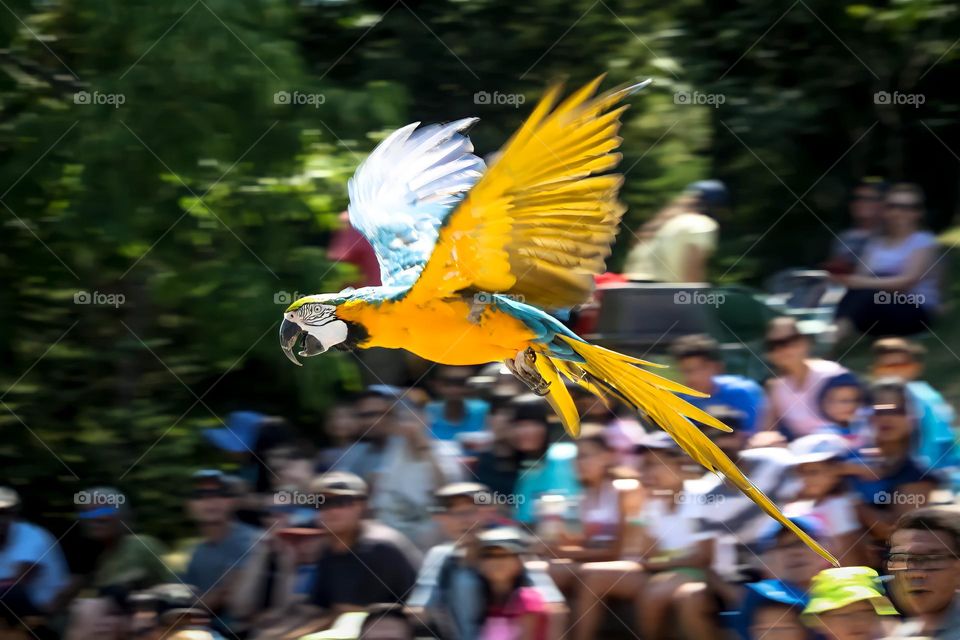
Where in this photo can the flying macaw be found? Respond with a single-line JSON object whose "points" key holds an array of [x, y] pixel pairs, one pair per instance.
{"points": [[472, 257]]}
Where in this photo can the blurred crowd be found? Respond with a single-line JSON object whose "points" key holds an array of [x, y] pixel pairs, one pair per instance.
{"points": [[458, 509]]}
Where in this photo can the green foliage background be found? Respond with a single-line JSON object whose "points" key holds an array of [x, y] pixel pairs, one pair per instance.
{"points": [[200, 199]]}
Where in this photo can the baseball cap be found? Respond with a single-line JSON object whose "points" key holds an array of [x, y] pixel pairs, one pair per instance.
{"points": [[818, 447], [213, 482], [838, 587], [447, 492], [339, 483], [808, 524], [777, 591], [9, 499], [509, 538]]}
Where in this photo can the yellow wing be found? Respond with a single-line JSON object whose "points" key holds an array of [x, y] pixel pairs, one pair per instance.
{"points": [[539, 223]]}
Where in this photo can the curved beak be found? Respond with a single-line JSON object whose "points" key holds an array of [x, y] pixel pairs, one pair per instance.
{"points": [[290, 333]]}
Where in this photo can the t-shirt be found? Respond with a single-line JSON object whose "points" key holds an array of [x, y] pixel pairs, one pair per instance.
{"points": [[503, 622], [29, 544], [885, 260], [662, 258], [555, 474], [134, 563], [935, 418], [211, 561], [881, 492], [381, 566], [676, 531], [837, 514], [797, 407], [737, 393], [474, 419]]}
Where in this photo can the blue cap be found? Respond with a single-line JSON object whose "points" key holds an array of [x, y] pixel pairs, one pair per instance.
{"points": [[808, 524], [713, 193], [239, 434], [107, 511], [778, 591]]}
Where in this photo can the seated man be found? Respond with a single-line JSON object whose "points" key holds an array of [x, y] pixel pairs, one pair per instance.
{"points": [[362, 563], [32, 568], [701, 369], [455, 413]]}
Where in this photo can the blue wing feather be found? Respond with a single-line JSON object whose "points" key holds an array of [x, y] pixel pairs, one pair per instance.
{"points": [[401, 194]]}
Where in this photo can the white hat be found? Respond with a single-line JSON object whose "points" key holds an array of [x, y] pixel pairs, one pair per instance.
{"points": [[818, 447]]}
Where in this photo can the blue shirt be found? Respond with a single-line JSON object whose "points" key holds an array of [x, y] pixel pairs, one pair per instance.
{"points": [[737, 393], [555, 474], [27, 543], [935, 420], [474, 419], [882, 492]]}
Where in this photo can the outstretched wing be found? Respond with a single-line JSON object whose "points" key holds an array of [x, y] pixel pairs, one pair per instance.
{"points": [[539, 224], [400, 195]]}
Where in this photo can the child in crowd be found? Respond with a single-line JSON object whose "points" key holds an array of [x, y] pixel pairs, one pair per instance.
{"points": [[841, 401], [513, 611], [846, 604], [819, 461]]}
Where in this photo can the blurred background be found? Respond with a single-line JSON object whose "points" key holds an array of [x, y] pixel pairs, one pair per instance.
{"points": [[171, 175]]}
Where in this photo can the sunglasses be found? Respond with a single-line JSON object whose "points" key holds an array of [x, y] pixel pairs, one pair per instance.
{"points": [[903, 205], [888, 410], [918, 561], [200, 494], [496, 555], [336, 502], [772, 344]]}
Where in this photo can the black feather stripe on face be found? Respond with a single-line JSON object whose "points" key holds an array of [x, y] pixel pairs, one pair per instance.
{"points": [[357, 335]]}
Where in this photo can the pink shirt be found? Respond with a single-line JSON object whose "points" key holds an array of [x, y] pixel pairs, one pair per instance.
{"points": [[797, 407]]}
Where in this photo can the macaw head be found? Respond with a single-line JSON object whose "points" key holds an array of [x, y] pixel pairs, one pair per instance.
{"points": [[314, 320]]}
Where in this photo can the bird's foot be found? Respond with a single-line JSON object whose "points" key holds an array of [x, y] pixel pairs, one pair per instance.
{"points": [[523, 367]]}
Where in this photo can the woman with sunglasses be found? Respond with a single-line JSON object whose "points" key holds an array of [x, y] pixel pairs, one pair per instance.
{"points": [[894, 289], [793, 394], [889, 479]]}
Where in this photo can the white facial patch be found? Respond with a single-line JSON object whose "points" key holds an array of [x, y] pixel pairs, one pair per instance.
{"points": [[321, 322]]}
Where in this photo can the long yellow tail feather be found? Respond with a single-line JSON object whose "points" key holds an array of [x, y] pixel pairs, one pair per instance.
{"points": [[654, 396]]}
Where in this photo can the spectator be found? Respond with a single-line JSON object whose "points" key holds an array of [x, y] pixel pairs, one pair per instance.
{"points": [[387, 622], [924, 548], [414, 467], [903, 358], [841, 402], [342, 431], [527, 465], [448, 594], [362, 563], [701, 368], [225, 542], [866, 216], [455, 413], [247, 437], [825, 493], [32, 568], [373, 412], [513, 609], [166, 610], [894, 291], [846, 604], [794, 392], [789, 567], [676, 243], [127, 560], [892, 481]]}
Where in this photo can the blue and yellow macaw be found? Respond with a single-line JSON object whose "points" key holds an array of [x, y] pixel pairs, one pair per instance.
{"points": [[470, 257]]}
